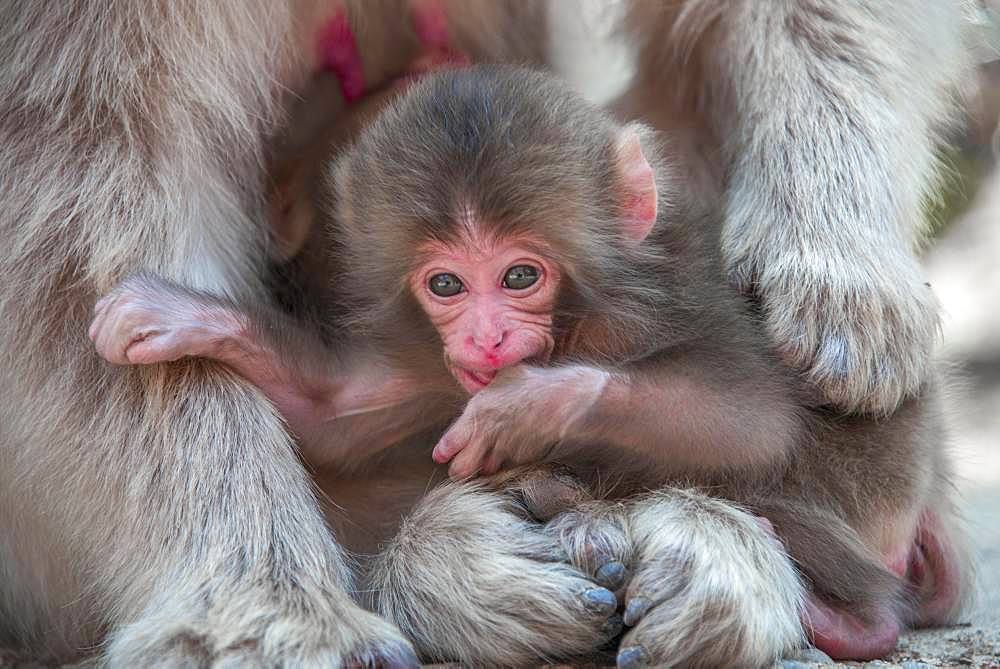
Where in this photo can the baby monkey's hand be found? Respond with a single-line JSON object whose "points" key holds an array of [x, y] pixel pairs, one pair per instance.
{"points": [[520, 418]]}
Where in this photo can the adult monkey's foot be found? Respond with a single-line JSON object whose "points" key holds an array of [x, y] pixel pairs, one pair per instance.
{"points": [[472, 577], [241, 624], [711, 587]]}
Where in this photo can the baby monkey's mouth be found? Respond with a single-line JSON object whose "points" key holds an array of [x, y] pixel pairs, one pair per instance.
{"points": [[474, 380]]}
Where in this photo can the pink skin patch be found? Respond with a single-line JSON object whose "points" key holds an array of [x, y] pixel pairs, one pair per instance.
{"points": [[843, 636], [430, 22], [927, 565], [640, 201], [338, 53], [338, 50], [488, 324], [933, 572]]}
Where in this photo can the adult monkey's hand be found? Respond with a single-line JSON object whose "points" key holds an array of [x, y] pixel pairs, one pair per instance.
{"points": [[826, 116]]}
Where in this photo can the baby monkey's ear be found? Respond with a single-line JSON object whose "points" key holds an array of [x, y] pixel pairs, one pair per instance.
{"points": [[639, 196]]}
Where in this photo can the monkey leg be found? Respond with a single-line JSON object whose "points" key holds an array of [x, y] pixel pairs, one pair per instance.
{"points": [[200, 543], [160, 516], [710, 587], [933, 571], [471, 577]]}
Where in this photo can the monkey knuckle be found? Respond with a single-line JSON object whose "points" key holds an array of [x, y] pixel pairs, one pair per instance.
{"points": [[594, 539]]}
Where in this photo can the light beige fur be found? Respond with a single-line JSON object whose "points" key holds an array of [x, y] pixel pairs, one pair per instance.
{"points": [[820, 122], [163, 507]]}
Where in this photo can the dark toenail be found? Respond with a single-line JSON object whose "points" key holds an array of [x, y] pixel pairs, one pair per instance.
{"points": [[631, 657], [611, 575], [601, 600], [613, 626], [635, 610]]}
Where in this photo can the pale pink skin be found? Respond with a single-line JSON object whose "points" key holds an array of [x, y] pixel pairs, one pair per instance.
{"points": [[927, 563], [147, 320], [485, 329]]}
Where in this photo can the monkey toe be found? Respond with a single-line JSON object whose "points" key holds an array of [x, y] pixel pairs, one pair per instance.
{"points": [[611, 575], [594, 538], [630, 657], [600, 601], [635, 610]]}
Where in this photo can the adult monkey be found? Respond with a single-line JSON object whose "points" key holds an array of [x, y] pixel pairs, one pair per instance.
{"points": [[170, 500], [162, 510]]}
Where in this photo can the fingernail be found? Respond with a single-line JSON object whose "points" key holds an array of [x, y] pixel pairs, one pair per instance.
{"points": [[635, 610], [810, 655], [632, 656], [611, 575], [601, 601]]}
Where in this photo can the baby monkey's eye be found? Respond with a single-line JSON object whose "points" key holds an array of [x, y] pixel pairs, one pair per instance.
{"points": [[445, 285], [520, 277]]}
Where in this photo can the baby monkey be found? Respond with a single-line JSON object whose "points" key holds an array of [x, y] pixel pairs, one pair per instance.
{"points": [[495, 237]]}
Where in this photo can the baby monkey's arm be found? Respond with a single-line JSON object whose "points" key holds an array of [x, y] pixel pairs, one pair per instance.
{"points": [[147, 320], [681, 413]]}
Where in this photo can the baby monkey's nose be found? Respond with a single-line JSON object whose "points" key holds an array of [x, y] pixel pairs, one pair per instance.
{"points": [[489, 340]]}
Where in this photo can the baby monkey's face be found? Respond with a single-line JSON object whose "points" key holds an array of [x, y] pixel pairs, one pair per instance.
{"points": [[491, 303]]}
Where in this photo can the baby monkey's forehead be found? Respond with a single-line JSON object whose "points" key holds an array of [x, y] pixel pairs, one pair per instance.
{"points": [[477, 244]]}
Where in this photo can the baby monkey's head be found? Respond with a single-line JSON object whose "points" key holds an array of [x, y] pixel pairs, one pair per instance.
{"points": [[497, 206]]}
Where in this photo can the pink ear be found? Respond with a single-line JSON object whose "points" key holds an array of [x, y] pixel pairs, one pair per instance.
{"points": [[639, 200]]}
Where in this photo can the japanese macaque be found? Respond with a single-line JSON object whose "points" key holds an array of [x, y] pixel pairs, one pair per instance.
{"points": [[492, 227], [159, 515]]}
